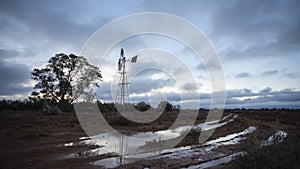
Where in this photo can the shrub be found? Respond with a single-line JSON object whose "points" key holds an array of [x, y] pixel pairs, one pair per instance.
{"points": [[283, 155], [50, 109], [142, 106]]}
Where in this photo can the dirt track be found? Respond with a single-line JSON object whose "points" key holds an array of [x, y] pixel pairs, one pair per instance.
{"points": [[34, 140]]}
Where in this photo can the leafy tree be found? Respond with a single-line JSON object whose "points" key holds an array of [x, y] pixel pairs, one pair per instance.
{"points": [[142, 106], [65, 78], [165, 106]]}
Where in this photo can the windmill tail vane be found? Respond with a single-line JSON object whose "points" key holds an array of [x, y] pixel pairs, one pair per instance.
{"points": [[134, 59]]}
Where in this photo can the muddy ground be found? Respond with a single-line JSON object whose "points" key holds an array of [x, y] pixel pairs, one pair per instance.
{"points": [[35, 140]]}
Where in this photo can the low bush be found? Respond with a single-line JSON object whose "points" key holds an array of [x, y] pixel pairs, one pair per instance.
{"points": [[284, 155]]}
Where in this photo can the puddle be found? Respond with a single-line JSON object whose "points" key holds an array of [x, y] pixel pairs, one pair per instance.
{"points": [[216, 162], [231, 136], [142, 142], [176, 153], [209, 146], [114, 161], [148, 144], [214, 124], [275, 138], [137, 143], [69, 144]]}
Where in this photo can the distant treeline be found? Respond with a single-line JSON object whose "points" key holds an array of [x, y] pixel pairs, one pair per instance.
{"points": [[20, 105], [34, 105]]}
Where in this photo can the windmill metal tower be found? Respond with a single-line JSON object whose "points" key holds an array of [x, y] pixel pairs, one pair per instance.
{"points": [[122, 96]]}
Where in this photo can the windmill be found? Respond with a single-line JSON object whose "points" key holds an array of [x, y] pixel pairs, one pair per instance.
{"points": [[122, 97], [122, 93]]}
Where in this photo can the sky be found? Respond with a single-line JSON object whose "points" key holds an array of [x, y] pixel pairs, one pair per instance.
{"points": [[257, 43]]}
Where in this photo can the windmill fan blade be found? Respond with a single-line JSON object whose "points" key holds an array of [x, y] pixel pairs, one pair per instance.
{"points": [[122, 52]]}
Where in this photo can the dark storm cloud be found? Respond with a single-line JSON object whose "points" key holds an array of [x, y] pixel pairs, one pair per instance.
{"points": [[243, 75], [239, 93], [257, 28], [138, 85], [265, 90], [236, 98], [270, 73], [105, 92], [170, 97], [190, 87], [48, 24], [242, 29], [33, 28], [291, 75], [264, 98], [12, 75], [146, 85], [8, 53]]}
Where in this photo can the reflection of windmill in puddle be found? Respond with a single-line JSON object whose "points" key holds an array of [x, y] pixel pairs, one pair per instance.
{"points": [[121, 148], [122, 97], [127, 154]]}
